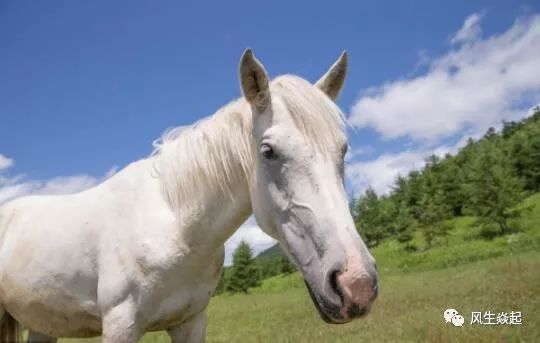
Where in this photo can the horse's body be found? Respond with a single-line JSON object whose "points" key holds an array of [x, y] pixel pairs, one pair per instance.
{"points": [[89, 250], [143, 251]]}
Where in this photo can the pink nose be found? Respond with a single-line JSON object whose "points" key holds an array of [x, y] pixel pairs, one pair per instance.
{"points": [[359, 288]]}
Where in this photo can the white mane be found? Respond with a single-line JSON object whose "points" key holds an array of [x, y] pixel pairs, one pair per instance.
{"points": [[217, 152]]}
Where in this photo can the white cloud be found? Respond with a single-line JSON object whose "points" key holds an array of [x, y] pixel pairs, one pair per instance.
{"points": [[252, 234], [476, 84], [470, 30], [353, 153], [12, 187], [5, 162], [380, 173]]}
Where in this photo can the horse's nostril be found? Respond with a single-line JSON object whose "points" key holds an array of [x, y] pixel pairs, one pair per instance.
{"points": [[333, 280], [356, 310]]}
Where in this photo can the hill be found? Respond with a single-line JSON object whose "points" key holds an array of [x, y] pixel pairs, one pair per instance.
{"points": [[270, 253], [486, 180]]}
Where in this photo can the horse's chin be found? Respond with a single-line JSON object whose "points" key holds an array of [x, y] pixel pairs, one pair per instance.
{"points": [[329, 312]]}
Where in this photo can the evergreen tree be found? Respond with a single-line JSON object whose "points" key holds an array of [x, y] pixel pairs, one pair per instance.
{"points": [[435, 208], [414, 194], [286, 267], [494, 189], [451, 178], [486, 179], [525, 153], [404, 227], [244, 272], [269, 267], [370, 218], [433, 218]]}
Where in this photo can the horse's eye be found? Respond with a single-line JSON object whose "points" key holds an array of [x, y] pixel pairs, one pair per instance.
{"points": [[268, 152]]}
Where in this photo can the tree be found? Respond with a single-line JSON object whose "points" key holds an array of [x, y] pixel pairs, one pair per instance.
{"points": [[268, 267], [486, 179], [244, 273], [494, 189], [404, 227], [414, 194], [370, 218], [433, 218], [434, 204], [286, 267], [525, 153]]}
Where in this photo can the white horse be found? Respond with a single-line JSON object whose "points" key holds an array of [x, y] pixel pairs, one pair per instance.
{"points": [[143, 251]]}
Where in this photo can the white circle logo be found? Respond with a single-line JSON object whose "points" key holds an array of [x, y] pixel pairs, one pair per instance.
{"points": [[458, 320], [452, 316]]}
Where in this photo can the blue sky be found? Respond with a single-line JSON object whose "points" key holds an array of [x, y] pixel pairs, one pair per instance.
{"points": [[85, 87]]}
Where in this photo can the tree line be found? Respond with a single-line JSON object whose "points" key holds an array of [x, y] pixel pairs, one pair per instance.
{"points": [[486, 179], [247, 271]]}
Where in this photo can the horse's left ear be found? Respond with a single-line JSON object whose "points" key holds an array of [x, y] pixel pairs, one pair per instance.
{"points": [[254, 81], [332, 82]]}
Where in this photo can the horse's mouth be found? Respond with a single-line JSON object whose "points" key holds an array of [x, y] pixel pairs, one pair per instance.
{"points": [[330, 313]]}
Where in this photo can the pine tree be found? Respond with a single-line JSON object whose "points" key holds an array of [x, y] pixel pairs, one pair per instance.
{"points": [[494, 189], [525, 153], [486, 179], [370, 218], [414, 194], [404, 226], [244, 273], [433, 218], [268, 267], [286, 267], [435, 208]]}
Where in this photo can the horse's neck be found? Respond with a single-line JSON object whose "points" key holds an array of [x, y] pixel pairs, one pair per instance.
{"points": [[210, 223], [209, 209], [204, 223]]}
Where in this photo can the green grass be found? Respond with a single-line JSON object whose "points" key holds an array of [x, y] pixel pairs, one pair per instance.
{"points": [[468, 274], [409, 308], [463, 245]]}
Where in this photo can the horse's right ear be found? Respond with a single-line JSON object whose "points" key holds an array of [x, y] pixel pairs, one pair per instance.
{"points": [[254, 81], [332, 82]]}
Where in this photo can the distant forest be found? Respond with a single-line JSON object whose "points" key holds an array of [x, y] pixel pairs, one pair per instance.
{"points": [[485, 179]]}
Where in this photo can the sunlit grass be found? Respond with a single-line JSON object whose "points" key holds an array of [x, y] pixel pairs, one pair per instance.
{"points": [[409, 308]]}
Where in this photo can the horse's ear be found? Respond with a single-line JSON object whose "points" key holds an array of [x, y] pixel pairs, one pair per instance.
{"points": [[254, 81], [332, 82]]}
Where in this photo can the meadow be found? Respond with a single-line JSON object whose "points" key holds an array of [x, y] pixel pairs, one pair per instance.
{"points": [[465, 272]]}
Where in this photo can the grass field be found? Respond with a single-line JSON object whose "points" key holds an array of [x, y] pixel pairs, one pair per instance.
{"points": [[409, 308], [464, 273]]}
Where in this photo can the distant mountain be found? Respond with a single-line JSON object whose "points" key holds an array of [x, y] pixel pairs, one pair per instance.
{"points": [[272, 261], [270, 253]]}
